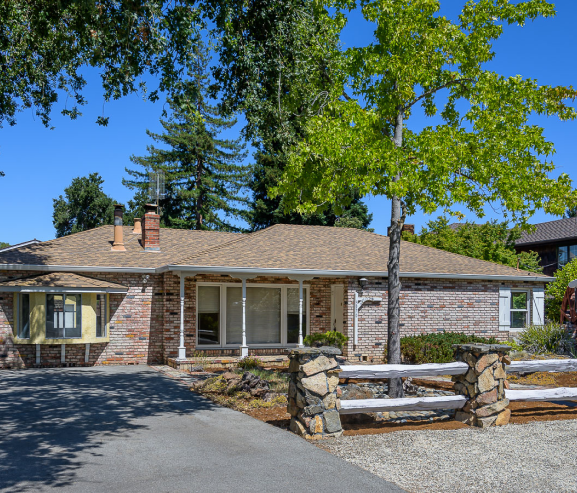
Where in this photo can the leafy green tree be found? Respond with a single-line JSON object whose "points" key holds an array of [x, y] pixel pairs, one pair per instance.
{"points": [[83, 206], [272, 66], [4, 244], [481, 148], [46, 44], [555, 291], [491, 241], [205, 177]]}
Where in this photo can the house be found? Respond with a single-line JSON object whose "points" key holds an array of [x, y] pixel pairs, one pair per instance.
{"points": [[142, 294], [554, 241]]}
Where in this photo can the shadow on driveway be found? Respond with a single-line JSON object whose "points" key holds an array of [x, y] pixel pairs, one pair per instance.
{"points": [[48, 418]]}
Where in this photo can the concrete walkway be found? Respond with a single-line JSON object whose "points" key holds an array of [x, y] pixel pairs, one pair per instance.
{"points": [[132, 429]]}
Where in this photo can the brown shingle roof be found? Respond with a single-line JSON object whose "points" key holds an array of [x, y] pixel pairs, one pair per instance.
{"points": [[552, 231], [280, 247], [92, 248], [286, 246], [62, 280]]}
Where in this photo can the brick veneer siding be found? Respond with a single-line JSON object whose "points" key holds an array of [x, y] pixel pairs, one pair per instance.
{"points": [[136, 322], [427, 305]]}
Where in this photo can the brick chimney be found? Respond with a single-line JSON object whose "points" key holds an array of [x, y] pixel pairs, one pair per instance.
{"points": [[151, 229], [118, 245]]}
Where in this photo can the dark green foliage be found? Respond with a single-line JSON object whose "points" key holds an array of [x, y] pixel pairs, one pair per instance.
{"points": [[274, 69], [491, 241], [331, 338], [551, 338], [3, 244], [46, 44], [571, 212], [205, 177], [436, 348], [84, 206]]}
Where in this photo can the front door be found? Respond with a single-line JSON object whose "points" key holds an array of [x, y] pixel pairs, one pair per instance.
{"points": [[337, 305]]}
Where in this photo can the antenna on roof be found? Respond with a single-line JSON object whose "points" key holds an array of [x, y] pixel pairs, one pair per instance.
{"points": [[156, 186]]}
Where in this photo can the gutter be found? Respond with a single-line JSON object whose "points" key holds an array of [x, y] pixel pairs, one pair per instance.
{"points": [[269, 272], [56, 289]]}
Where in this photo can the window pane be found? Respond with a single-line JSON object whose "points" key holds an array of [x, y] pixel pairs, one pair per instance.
{"points": [[572, 252], [263, 315], [100, 315], [518, 320], [562, 255], [54, 318], [519, 301], [293, 315], [24, 316], [208, 314], [234, 315], [72, 311]]}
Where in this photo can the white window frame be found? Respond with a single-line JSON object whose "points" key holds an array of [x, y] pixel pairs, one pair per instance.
{"points": [[222, 315], [105, 297], [527, 309]]}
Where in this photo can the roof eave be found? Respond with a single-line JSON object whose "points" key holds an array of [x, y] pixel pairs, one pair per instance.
{"points": [[344, 273], [56, 289], [78, 268]]}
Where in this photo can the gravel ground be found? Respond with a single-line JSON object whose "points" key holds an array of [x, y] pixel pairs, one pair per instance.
{"points": [[536, 457]]}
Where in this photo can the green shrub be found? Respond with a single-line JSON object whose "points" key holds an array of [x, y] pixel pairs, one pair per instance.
{"points": [[556, 290], [549, 338], [436, 348], [249, 363], [331, 338]]}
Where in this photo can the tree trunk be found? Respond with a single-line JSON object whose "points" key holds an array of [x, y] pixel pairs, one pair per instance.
{"points": [[394, 282], [200, 196]]}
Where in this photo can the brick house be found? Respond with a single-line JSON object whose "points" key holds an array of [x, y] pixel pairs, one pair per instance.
{"points": [[142, 294]]}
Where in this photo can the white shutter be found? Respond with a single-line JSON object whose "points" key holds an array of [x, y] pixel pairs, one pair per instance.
{"points": [[538, 317], [504, 308]]}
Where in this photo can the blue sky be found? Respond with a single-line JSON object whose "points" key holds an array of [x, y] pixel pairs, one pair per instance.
{"points": [[39, 163]]}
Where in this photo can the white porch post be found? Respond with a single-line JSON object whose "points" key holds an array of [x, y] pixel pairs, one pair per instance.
{"points": [[181, 348], [300, 344], [244, 347]]}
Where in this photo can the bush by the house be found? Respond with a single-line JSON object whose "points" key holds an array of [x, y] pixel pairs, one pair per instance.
{"points": [[331, 338], [550, 338], [556, 290], [436, 348]]}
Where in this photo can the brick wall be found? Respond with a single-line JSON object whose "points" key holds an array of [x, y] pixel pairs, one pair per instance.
{"points": [[427, 305]]}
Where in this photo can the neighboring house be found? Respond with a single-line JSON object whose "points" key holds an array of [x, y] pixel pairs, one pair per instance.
{"points": [[118, 295], [554, 241]]}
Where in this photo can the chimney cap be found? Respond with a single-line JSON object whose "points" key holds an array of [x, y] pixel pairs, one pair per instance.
{"points": [[150, 209]]}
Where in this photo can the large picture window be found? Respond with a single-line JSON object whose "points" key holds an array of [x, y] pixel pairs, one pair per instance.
{"points": [[272, 315], [24, 316], [566, 254], [63, 316]]}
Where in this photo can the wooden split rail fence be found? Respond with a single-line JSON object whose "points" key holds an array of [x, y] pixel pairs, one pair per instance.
{"points": [[381, 372]]}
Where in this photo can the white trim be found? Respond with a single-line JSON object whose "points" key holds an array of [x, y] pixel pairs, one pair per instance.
{"points": [[223, 285], [526, 310], [269, 271], [538, 305]]}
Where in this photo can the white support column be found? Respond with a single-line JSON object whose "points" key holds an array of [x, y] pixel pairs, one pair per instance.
{"points": [[181, 348], [63, 353], [244, 347], [300, 344]]}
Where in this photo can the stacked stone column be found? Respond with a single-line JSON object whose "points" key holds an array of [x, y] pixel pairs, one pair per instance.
{"points": [[483, 385], [313, 392]]}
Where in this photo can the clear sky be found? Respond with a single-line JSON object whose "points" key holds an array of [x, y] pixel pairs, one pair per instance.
{"points": [[39, 163]]}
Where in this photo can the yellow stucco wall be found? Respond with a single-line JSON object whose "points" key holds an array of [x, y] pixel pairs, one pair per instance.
{"points": [[38, 321]]}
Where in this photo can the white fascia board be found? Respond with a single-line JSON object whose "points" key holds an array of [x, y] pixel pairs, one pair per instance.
{"points": [[345, 273], [50, 289], [78, 268]]}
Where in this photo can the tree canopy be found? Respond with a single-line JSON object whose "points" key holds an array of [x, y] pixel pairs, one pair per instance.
{"points": [[491, 241], [4, 244], [46, 44], [480, 148], [555, 291], [205, 179]]}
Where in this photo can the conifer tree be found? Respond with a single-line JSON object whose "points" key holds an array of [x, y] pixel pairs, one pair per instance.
{"points": [[205, 178]]}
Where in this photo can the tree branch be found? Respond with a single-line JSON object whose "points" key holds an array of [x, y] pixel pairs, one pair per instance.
{"points": [[432, 91]]}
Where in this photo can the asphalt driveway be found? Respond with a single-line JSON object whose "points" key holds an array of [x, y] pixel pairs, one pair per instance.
{"points": [[132, 429]]}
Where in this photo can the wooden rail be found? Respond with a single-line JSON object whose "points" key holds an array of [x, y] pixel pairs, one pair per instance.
{"points": [[543, 365], [392, 371], [406, 404], [558, 394]]}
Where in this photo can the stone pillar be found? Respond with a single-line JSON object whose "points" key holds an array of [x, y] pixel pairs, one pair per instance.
{"points": [[313, 402], [483, 385]]}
